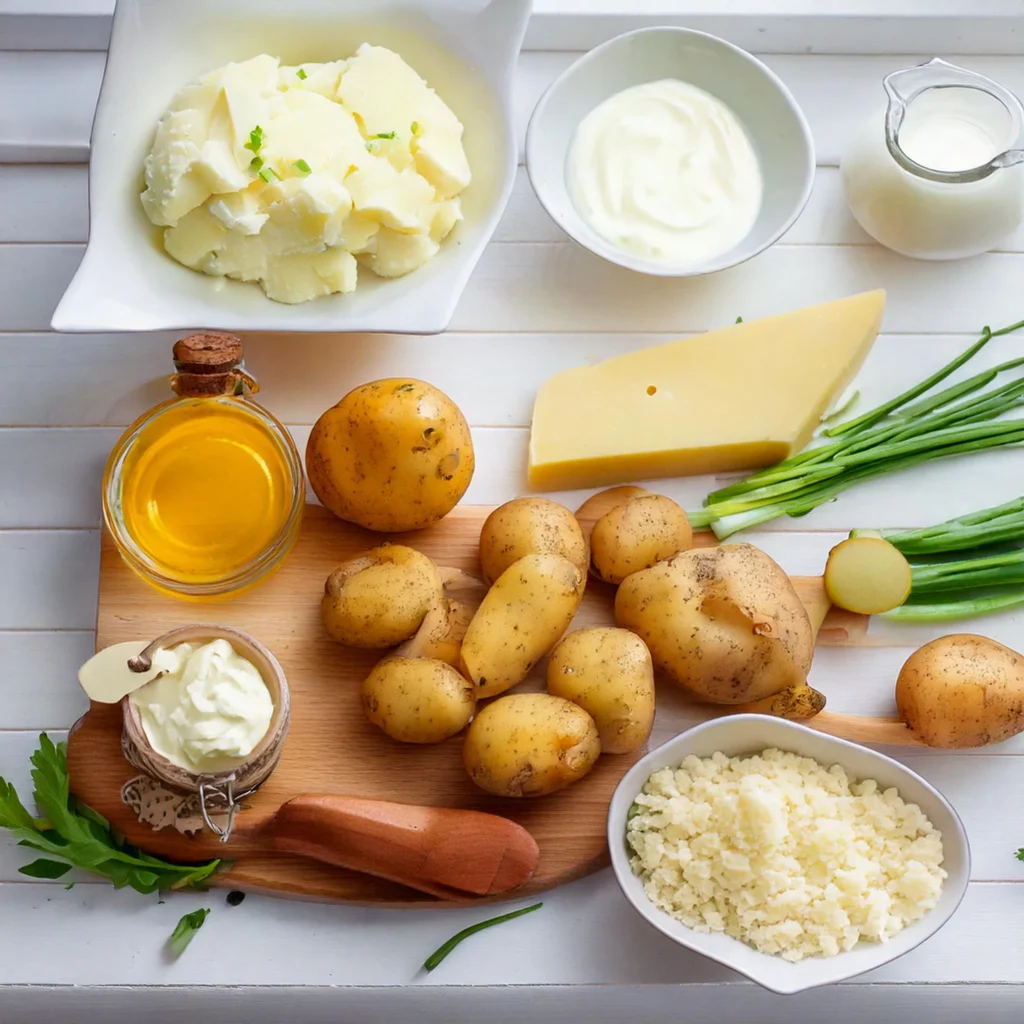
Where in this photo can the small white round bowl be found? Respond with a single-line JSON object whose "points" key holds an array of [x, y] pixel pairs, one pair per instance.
{"points": [[765, 107], [750, 734]]}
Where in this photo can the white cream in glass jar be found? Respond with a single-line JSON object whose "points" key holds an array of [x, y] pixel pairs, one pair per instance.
{"points": [[935, 174]]}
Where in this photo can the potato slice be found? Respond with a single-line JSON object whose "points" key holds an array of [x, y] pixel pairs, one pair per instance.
{"points": [[867, 575]]}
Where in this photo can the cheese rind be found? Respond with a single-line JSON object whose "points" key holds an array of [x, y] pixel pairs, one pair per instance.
{"points": [[738, 398]]}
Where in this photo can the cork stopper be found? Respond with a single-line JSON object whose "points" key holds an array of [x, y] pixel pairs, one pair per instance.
{"points": [[207, 364]]}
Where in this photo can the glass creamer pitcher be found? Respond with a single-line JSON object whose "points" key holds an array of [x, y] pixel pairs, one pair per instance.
{"points": [[937, 174]]}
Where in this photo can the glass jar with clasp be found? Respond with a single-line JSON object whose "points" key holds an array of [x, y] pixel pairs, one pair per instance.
{"points": [[937, 173], [203, 495]]}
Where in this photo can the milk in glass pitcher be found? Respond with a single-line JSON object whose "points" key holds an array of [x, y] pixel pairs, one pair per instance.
{"points": [[937, 174]]}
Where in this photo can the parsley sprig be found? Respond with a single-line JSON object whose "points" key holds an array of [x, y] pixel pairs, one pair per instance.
{"points": [[81, 837]]}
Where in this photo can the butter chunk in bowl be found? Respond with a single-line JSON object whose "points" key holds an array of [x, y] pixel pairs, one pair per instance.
{"points": [[310, 166]]}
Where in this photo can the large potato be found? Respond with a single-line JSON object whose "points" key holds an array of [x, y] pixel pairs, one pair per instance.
{"points": [[962, 691], [725, 623], [519, 620], [608, 672], [418, 700], [392, 455], [637, 534], [529, 744], [381, 597], [526, 526]]}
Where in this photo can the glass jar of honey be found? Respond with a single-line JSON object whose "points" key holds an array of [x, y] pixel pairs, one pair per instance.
{"points": [[203, 495]]}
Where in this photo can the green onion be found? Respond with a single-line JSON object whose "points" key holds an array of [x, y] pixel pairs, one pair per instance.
{"points": [[268, 173], [442, 951], [255, 163], [384, 135], [302, 74], [185, 931], [303, 166], [415, 128], [956, 420], [255, 139]]}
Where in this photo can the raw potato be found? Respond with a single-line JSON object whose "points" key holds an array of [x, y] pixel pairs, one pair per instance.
{"points": [[526, 526], [797, 704], [603, 502], [609, 673], [529, 744], [636, 535], [380, 598], [418, 700], [725, 623], [522, 617], [962, 691], [867, 575], [392, 455], [440, 634]]}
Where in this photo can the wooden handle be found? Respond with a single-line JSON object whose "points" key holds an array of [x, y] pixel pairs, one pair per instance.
{"points": [[448, 853], [858, 729]]}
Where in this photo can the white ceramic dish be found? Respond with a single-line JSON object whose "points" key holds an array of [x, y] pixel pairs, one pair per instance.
{"points": [[759, 99], [748, 734], [466, 49]]}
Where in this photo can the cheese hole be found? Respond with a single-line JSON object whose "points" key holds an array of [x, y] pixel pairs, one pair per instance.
{"points": [[651, 389]]}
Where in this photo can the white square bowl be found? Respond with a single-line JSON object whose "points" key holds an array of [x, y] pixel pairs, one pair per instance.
{"points": [[465, 49], [750, 734]]}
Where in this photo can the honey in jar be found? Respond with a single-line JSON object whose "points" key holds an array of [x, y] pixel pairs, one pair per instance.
{"points": [[204, 493]]}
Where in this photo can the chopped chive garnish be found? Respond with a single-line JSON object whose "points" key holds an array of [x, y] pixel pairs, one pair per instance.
{"points": [[255, 163], [268, 172], [384, 135], [303, 166], [415, 127], [302, 74], [255, 139], [442, 951]]}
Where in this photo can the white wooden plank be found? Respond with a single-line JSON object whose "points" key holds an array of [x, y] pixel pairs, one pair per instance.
{"points": [[44, 203], [44, 125], [42, 665], [108, 930], [551, 287], [706, 1003], [48, 579]]}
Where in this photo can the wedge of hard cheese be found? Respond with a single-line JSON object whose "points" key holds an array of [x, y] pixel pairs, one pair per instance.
{"points": [[738, 398]]}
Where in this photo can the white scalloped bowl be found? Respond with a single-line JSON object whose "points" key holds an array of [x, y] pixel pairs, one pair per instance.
{"points": [[749, 734], [465, 49]]}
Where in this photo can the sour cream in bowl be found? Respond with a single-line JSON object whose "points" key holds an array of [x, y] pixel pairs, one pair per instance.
{"points": [[670, 152]]}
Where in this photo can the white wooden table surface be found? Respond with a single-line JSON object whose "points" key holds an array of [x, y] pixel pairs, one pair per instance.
{"points": [[536, 304]]}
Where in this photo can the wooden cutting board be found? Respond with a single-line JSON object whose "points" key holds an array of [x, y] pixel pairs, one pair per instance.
{"points": [[331, 748]]}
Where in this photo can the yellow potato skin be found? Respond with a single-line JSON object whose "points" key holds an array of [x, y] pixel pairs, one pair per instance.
{"points": [[418, 700], [530, 744], [392, 455], [961, 691], [724, 623], [380, 598], [646, 529], [527, 526], [520, 619], [609, 673]]}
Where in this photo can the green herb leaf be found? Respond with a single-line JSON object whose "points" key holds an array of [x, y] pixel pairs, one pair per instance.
{"points": [[302, 74], [255, 139], [384, 135], [1020, 854], [442, 951], [268, 174], [74, 833], [185, 930], [634, 810], [303, 166], [255, 163], [43, 868], [70, 885], [739, 319]]}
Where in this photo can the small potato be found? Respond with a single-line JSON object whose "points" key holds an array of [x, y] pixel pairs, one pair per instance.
{"points": [[418, 700], [867, 575], [724, 623], [608, 672], [529, 744], [380, 598], [604, 501], [636, 535], [522, 617], [962, 691], [526, 526], [440, 634]]}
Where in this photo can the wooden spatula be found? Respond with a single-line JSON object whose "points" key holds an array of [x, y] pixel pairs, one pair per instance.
{"points": [[451, 854]]}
